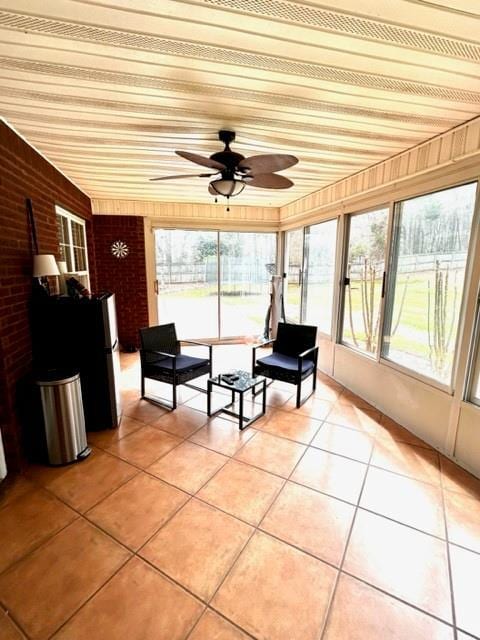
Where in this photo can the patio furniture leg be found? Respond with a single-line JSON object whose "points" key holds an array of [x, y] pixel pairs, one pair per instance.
{"points": [[299, 393]]}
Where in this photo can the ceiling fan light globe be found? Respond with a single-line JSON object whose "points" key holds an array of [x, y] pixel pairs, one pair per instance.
{"points": [[227, 188]]}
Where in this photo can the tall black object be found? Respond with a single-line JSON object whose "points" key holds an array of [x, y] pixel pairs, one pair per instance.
{"points": [[81, 334]]}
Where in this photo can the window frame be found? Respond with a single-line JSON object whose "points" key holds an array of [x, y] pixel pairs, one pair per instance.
{"points": [[285, 264], [338, 249], [472, 370], [61, 212], [389, 283], [473, 366], [343, 274]]}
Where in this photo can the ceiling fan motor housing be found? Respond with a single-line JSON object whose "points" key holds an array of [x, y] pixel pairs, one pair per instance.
{"points": [[227, 157], [226, 136]]}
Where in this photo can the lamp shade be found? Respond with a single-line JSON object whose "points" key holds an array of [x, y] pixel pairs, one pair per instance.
{"points": [[227, 188], [44, 264], [62, 266]]}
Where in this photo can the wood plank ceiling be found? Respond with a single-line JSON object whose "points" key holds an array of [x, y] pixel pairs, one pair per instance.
{"points": [[108, 91]]}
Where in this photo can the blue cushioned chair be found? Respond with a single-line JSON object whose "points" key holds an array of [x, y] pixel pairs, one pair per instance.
{"points": [[293, 359], [161, 359]]}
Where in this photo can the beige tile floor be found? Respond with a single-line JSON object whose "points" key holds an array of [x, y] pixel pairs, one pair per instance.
{"points": [[331, 522]]}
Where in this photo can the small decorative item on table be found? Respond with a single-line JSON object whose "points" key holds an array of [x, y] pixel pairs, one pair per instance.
{"points": [[239, 382]]}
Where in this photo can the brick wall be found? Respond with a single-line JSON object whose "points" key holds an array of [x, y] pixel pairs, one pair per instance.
{"points": [[25, 174], [125, 277]]}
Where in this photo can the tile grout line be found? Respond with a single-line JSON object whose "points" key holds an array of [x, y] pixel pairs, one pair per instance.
{"points": [[221, 615], [449, 560], [329, 608], [15, 622], [81, 513], [38, 546], [398, 598], [104, 584]]}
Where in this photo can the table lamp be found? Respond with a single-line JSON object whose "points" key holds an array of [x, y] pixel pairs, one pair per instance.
{"points": [[44, 265]]}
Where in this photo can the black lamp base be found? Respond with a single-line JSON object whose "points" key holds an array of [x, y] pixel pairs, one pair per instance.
{"points": [[41, 288]]}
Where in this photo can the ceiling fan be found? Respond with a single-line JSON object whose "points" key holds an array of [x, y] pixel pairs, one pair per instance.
{"points": [[235, 172]]}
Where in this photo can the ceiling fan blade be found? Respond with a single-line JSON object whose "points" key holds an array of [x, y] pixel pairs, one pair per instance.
{"points": [[206, 162], [184, 175], [269, 181], [267, 163]]}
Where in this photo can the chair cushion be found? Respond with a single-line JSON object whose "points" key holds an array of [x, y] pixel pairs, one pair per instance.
{"points": [[184, 363], [281, 361]]}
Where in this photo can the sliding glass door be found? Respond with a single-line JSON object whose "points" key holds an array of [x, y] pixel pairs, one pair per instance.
{"points": [[363, 283], [214, 284], [310, 255], [187, 281], [247, 261], [319, 276], [294, 274]]}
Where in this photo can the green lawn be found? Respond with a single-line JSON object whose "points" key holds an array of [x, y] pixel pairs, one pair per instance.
{"points": [[411, 335], [409, 340]]}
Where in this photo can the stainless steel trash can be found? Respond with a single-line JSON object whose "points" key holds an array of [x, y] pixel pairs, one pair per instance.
{"points": [[61, 397]]}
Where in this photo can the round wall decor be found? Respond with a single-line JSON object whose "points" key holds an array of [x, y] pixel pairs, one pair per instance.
{"points": [[119, 249]]}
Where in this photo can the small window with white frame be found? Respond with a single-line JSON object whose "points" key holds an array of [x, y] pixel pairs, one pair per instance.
{"points": [[72, 241]]}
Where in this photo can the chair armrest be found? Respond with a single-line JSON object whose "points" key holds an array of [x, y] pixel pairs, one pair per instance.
{"points": [[254, 351], [306, 352], [302, 355], [200, 344], [263, 344]]}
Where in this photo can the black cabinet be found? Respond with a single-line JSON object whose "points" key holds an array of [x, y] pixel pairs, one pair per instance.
{"points": [[81, 334]]}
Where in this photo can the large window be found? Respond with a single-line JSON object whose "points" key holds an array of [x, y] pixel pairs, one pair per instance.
{"points": [[319, 277], [365, 266], [426, 279], [72, 243], [214, 284]]}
